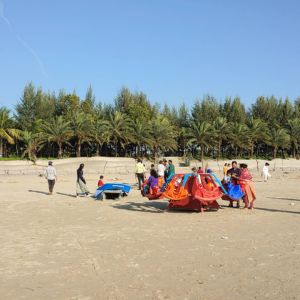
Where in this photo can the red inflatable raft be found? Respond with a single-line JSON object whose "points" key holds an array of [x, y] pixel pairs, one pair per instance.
{"points": [[189, 192]]}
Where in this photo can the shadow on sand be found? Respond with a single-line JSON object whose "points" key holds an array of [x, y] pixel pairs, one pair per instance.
{"points": [[150, 207], [288, 199], [38, 192], [64, 194], [277, 210]]}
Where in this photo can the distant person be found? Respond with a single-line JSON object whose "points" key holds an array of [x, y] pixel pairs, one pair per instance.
{"points": [[246, 183], [81, 187], [233, 174], [225, 169], [165, 163], [171, 169], [200, 170], [51, 176], [152, 167], [140, 172], [161, 169], [265, 172], [100, 181]]}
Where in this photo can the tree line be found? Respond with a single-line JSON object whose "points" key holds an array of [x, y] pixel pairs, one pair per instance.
{"points": [[45, 124]]}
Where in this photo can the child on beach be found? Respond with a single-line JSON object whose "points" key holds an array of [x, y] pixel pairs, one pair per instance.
{"points": [[100, 181], [265, 172]]}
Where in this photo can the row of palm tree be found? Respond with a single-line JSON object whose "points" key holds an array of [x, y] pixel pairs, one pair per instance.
{"points": [[156, 136], [134, 127]]}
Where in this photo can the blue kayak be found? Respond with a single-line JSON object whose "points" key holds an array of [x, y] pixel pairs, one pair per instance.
{"points": [[124, 188]]}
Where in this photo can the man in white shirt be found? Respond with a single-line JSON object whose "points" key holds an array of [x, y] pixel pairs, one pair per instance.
{"points": [[140, 172], [161, 169], [50, 175]]}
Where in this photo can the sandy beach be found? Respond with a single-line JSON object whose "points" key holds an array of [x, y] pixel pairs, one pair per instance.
{"points": [[62, 247]]}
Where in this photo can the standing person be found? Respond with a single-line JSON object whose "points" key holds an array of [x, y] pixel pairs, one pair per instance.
{"points": [[140, 172], [81, 187], [161, 169], [225, 169], [247, 186], [51, 176], [265, 172], [166, 171], [171, 169], [234, 174]]}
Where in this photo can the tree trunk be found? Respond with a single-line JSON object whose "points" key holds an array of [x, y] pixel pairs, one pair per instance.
{"points": [[116, 149], [202, 157], [1, 147], [78, 151], [274, 152], [252, 149], [219, 149], [97, 149], [294, 152], [60, 150]]}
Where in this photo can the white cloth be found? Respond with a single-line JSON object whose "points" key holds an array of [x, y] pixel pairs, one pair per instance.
{"points": [[161, 170], [265, 173], [50, 173]]}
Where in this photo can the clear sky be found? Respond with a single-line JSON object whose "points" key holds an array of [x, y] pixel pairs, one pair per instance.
{"points": [[173, 50]]}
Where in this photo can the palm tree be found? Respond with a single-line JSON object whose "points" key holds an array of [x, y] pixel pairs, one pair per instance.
{"points": [[118, 127], [257, 131], [238, 136], [57, 131], [81, 126], [162, 136], [32, 143], [221, 131], [6, 132], [203, 135], [100, 134], [141, 135], [278, 137], [294, 132]]}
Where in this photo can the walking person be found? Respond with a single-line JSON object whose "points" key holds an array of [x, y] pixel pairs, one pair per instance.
{"points": [[51, 176], [81, 187], [140, 172], [265, 172]]}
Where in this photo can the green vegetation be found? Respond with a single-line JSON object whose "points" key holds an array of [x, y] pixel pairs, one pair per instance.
{"points": [[63, 125]]}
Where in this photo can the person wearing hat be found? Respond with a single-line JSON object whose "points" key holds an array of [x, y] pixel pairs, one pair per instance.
{"points": [[51, 176]]}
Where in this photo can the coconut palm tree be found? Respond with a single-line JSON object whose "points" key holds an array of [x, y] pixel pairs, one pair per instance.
{"points": [[82, 128], [33, 143], [238, 136], [257, 131], [6, 131], [141, 135], [294, 132], [119, 129], [100, 134], [57, 131], [162, 136], [278, 137], [203, 135], [220, 126]]}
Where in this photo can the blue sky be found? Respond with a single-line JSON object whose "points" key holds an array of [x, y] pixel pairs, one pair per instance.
{"points": [[174, 51]]}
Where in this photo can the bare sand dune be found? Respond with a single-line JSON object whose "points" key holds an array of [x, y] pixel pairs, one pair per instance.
{"points": [[60, 247]]}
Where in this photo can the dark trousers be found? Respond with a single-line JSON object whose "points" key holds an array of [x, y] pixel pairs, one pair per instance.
{"points": [[51, 185], [140, 177]]}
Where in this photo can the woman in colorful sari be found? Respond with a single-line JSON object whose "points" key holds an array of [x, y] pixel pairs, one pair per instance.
{"points": [[246, 183], [152, 183]]}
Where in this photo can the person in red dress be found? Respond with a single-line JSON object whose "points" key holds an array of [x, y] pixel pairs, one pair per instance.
{"points": [[100, 181]]}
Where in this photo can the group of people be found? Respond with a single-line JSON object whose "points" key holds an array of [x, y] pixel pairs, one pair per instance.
{"points": [[163, 173], [81, 186], [241, 176]]}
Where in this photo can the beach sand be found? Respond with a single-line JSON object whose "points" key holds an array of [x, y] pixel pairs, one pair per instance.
{"points": [[62, 247]]}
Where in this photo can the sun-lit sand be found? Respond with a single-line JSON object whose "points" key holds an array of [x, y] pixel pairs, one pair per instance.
{"points": [[60, 247]]}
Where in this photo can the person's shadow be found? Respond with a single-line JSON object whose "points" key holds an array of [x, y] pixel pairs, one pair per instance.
{"points": [[38, 192], [64, 194], [150, 207]]}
